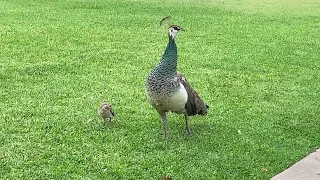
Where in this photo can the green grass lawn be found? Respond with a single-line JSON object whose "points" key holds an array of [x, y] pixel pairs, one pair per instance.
{"points": [[256, 63]]}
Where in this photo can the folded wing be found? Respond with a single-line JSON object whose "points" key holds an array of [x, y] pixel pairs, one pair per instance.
{"points": [[195, 104]]}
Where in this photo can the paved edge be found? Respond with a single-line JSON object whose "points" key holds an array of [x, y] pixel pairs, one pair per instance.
{"points": [[307, 168]]}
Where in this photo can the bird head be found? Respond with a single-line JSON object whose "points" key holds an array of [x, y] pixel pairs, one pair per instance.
{"points": [[173, 30], [105, 106]]}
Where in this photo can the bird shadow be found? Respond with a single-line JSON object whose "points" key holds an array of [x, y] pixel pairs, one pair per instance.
{"points": [[107, 125], [178, 134], [196, 126]]}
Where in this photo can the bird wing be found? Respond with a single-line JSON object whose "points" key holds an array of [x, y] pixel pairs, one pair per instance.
{"points": [[195, 104], [112, 112]]}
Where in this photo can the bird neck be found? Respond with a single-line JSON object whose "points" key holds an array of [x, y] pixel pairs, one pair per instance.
{"points": [[171, 37], [168, 61]]}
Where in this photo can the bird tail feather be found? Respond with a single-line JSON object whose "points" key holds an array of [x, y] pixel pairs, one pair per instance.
{"points": [[195, 104]]}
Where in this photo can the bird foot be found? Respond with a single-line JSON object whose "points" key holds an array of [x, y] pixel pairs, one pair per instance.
{"points": [[187, 131]]}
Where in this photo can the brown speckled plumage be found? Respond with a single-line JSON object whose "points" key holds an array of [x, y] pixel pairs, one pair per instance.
{"points": [[105, 111]]}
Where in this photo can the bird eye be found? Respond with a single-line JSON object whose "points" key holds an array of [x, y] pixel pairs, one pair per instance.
{"points": [[176, 28]]}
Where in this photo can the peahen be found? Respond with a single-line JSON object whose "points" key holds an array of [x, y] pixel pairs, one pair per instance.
{"points": [[167, 90]]}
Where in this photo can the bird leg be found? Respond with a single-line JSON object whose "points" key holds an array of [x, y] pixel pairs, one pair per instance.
{"points": [[163, 120], [187, 126], [103, 121]]}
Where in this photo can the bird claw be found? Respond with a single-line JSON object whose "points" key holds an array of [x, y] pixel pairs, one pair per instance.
{"points": [[187, 131]]}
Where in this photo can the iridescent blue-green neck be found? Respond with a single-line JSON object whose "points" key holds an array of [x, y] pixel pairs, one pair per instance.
{"points": [[168, 62]]}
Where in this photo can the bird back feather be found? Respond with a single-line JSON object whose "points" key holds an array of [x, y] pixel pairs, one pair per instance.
{"points": [[195, 104]]}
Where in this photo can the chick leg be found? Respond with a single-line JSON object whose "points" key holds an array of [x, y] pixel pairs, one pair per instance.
{"points": [[103, 120]]}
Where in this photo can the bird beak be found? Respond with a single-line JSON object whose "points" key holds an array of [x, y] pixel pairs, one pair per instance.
{"points": [[182, 29]]}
